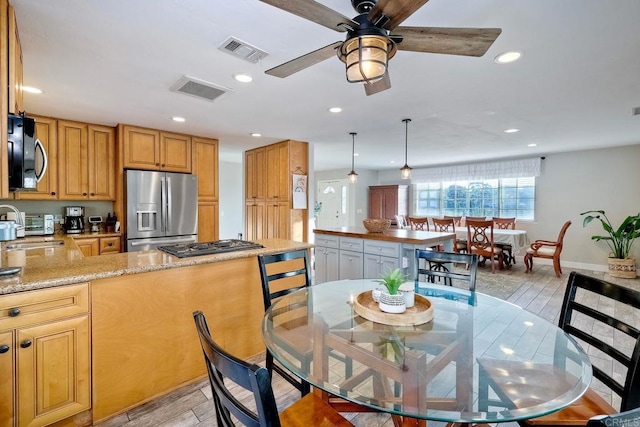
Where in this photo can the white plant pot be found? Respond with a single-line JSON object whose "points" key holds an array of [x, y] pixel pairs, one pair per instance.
{"points": [[408, 290], [392, 303]]}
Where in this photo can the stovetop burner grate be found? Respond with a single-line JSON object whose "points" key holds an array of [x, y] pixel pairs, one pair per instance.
{"points": [[183, 250]]}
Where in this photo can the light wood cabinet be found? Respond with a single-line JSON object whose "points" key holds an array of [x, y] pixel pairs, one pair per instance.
{"points": [[150, 149], [94, 246], [387, 201], [89, 247], [205, 166], [4, 97], [47, 188], [109, 245], [268, 186], [86, 161], [16, 100], [47, 332]]}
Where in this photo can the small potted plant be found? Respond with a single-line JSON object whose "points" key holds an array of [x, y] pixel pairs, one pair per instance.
{"points": [[392, 301], [619, 241]]}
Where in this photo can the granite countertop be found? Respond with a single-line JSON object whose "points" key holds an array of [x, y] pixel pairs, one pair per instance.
{"points": [[63, 265], [391, 235]]}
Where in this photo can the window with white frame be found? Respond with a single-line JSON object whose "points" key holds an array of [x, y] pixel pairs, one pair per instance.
{"points": [[498, 189]]}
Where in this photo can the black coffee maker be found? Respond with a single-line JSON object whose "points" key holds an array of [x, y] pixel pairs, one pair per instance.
{"points": [[74, 219]]}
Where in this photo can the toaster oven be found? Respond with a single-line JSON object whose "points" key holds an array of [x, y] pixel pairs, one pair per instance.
{"points": [[38, 224]]}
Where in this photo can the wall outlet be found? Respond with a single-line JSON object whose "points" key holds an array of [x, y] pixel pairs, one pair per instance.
{"points": [[359, 211], [405, 262]]}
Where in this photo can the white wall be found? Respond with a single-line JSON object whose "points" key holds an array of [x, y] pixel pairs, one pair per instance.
{"points": [[231, 198], [570, 183]]}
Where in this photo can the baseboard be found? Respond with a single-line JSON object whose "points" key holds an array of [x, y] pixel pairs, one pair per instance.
{"points": [[570, 264]]}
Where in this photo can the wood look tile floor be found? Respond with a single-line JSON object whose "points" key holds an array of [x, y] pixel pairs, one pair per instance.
{"points": [[539, 292]]}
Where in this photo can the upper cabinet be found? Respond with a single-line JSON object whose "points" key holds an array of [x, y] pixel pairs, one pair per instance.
{"points": [[154, 150], [205, 166], [255, 167], [16, 103], [86, 161]]}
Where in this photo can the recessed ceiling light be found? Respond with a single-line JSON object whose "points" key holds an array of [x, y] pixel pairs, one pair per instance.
{"points": [[356, 154], [243, 78], [512, 130], [256, 134], [31, 89], [392, 161], [335, 109], [532, 145], [507, 57], [178, 119]]}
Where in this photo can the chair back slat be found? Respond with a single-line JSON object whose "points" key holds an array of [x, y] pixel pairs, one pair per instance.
{"points": [[251, 377], [434, 257], [625, 300]]}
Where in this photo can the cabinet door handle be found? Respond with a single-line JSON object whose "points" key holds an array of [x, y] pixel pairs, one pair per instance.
{"points": [[92, 194], [4, 348], [84, 194], [53, 193], [13, 312], [25, 344]]}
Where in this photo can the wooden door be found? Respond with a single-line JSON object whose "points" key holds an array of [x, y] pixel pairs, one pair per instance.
{"points": [[101, 152], [255, 222], [47, 188], [53, 362], [7, 390], [273, 167], [207, 221], [255, 176], [175, 152], [141, 148], [205, 165], [89, 247], [72, 160]]}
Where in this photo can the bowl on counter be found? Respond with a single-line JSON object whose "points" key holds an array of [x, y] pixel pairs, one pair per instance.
{"points": [[376, 225]]}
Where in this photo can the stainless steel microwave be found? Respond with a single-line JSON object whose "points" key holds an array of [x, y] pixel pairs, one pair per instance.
{"points": [[26, 155]]}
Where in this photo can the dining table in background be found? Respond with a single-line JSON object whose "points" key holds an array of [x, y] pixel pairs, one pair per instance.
{"points": [[430, 371]]}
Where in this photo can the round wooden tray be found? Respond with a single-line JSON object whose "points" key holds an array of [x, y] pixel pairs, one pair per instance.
{"points": [[421, 312]]}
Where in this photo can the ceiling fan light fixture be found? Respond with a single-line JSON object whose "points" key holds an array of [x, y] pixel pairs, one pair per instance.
{"points": [[353, 176], [366, 57]]}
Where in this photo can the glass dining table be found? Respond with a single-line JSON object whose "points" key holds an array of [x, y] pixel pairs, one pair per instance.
{"points": [[431, 371]]}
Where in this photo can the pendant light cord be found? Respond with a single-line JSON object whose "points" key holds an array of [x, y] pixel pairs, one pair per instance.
{"points": [[406, 139], [353, 149]]}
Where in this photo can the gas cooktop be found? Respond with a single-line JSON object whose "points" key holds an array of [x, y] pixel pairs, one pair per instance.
{"points": [[183, 250]]}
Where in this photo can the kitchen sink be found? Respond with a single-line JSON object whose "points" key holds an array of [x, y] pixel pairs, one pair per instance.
{"points": [[35, 245]]}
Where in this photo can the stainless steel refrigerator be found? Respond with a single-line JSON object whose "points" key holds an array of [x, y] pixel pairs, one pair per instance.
{"points": [[162, 209]]}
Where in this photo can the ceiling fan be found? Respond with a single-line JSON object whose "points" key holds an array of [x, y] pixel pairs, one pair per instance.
{"points": [[374, 36]]}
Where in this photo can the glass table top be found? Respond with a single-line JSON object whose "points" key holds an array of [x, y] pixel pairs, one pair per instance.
{"points": [[480, 359]]}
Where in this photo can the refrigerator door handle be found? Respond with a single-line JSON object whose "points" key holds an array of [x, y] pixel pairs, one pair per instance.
{"points": [[163, 241], [169, 191], [163, 204]]}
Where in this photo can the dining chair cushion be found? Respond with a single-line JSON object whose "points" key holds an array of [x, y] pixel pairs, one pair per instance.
{"points": [[542, 251]]}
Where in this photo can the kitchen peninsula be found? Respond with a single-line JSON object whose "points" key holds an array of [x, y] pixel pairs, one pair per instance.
{"points": [[356, 253], [128, 319]]}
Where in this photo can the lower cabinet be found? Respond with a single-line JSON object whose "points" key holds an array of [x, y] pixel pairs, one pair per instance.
{"points": [[375, 266], [351, 265], [94, 246], [326, 264], [89, 247], [44, 356]]}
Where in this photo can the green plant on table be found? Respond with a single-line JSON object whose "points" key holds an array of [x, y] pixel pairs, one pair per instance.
{"points": [[392, 280], [620, 239]]}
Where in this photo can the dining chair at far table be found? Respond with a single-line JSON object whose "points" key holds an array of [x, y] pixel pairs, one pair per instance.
{"points": [[505, 224], [436, 263], [401, 221], [547, 249], [480, 241], [420, 224], [310, 410], [448, 225], [281, 274], [593, 311]]}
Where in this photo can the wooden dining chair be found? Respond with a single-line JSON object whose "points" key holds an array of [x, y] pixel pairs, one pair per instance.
{"points": [[448, 225], [547, 249], [480, 241], [460, 243], [401, 221], [226, 371], [421, 224], [503, 223], [439, 259], [593, 311], [474, 218]]}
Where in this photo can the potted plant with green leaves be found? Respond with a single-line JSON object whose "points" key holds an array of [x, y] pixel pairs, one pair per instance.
{"points": [[619, 240], [391, 300]]}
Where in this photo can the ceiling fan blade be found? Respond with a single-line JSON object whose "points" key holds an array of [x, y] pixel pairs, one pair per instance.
{"points": [[382, 84], [304, 61], [315, 12], [448, 41], [395, 10]]}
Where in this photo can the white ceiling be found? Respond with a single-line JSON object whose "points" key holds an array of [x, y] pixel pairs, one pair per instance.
{"points": [[113, 61]]}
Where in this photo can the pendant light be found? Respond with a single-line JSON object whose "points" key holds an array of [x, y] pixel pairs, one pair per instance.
{"points": [[353, 176], [405, 171]]}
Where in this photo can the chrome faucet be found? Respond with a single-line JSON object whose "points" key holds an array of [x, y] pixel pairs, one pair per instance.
{"points": [[19, 222]]}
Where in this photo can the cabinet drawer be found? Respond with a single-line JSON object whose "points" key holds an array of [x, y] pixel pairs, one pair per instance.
{"points": [[327, 241], [376, 247], [43, 305], [351, 244], [109, 245]]}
